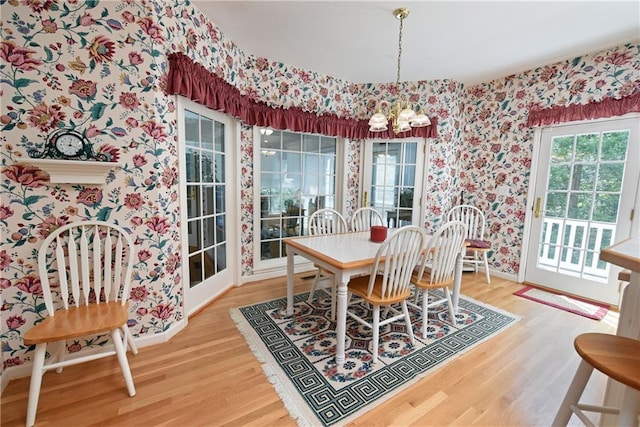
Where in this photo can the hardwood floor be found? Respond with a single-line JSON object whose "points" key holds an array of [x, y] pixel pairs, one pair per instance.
{"points": [[206, 375]]}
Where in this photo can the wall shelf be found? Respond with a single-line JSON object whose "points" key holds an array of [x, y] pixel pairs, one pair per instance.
{"points": [[75, 171]]}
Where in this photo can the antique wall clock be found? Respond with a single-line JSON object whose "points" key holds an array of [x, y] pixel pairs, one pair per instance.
{"points": [[66, 144]]}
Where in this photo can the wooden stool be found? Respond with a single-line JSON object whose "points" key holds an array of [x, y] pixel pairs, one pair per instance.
{"points": [[615, 356]]}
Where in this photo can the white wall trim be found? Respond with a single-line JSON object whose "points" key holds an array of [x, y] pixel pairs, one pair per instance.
{"points": [[24, 370]]}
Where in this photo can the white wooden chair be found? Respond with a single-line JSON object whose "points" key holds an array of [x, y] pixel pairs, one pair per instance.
{"points": [[90, 263], [477, 247], [364, 218], [326, 221], [437, 270], [389, 280], [617, 357]]}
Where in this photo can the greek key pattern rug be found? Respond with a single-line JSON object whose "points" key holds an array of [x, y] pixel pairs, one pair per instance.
{"points": [[298, 352]]}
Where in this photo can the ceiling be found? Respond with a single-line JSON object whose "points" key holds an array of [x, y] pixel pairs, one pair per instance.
{"points": [[467, 41]]}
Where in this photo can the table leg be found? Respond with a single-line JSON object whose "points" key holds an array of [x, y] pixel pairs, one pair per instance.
{"points": [[341, 318], [290, 280], [457, 281]]}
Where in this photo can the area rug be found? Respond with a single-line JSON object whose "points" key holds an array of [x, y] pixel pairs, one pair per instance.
{"points": [[298, 353], [563, 302]]}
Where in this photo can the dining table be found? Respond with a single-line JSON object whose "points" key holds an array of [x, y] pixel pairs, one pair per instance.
{"points": [[346, 255]]}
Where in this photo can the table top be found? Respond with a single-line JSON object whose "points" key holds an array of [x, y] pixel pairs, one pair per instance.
{"points": [[624, 254], [344, 250]]}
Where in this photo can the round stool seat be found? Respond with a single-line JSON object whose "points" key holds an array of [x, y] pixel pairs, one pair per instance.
{"points": [[615, 356]]}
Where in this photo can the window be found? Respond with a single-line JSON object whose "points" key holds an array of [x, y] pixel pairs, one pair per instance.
{"points": [[297, 177]]}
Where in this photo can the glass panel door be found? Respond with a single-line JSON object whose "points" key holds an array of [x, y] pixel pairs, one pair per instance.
{"points": [[393, 174], [298, 175], [584, 198], [206, 162]]}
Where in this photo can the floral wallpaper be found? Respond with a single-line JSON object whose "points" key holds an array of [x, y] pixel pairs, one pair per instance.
{"points": [[498, 145], [100, 67]]}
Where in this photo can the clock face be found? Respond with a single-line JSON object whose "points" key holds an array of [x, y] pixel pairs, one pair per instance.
{"points": [[69, 144]]}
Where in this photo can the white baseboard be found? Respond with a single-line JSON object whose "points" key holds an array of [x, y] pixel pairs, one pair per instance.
{"points": [[24, 370]]}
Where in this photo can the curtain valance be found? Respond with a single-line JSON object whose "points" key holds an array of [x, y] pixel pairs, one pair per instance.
{"points": [[609, 107], [194, 81]]}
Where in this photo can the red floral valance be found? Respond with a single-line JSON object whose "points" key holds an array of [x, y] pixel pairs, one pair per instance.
{"points": [[609, 107], [194, 81]]}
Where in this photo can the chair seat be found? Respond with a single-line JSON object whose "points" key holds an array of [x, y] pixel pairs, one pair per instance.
{"points": [[477, 244], [424, 281], [360, 286], [615, 356], [78, 321]]}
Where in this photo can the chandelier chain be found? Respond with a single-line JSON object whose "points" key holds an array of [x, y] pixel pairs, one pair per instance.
{"points": [[399, 54]]}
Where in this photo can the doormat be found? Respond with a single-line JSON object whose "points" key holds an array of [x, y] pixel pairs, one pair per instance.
{"points": [[563, 302], [298, 353]]}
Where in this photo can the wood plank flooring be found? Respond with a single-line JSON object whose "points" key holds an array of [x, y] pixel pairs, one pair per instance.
{"points": [[207, 376]]}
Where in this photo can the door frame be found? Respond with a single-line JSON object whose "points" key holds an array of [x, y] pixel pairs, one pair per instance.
{"points": [[232, 203], [534, 176]]}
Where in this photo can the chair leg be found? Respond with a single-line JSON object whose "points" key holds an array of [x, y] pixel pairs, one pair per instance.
{"points": [[450, 304], [36, 381], [129, 340], [486, 267], [425, 313], [116, 336], [313, 286], [407, 321], [572, 397], [58, 354], [376, 331]]}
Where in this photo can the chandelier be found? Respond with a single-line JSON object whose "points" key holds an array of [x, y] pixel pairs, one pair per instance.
{"points": [[402, 115]]}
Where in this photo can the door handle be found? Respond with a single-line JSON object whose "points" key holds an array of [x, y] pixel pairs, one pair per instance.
{"points": [[365, 201], [536, 209]]}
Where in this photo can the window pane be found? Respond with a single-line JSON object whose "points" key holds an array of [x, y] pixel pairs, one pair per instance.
{"points": [[606, 207], [219, 168], [291, 141], [219, 137], [610, 177], [614, 145], [562, 149], [555, 205], [587, 147], [192, 157], [559, 177], [191, 128], [207, 166], [579, 206], [206, 133], [584, 177]]}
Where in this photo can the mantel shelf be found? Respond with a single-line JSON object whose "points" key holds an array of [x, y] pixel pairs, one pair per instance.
{"points": [[75, 171]]}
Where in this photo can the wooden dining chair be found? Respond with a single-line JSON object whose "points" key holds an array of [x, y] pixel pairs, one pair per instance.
{"points": [[617, 357], [437, 269], [364, 218], [89, 265], [477, 247], [388, 282], [326, 221]]}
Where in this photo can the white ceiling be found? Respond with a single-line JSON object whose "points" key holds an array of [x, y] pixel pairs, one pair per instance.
{"points": [[468, 41]]}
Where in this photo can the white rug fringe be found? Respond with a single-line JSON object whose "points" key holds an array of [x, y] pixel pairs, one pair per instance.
{"points": [[263, 355]]}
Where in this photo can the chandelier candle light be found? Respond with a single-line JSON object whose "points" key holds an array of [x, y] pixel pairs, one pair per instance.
{"points": [[402, 115]]}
